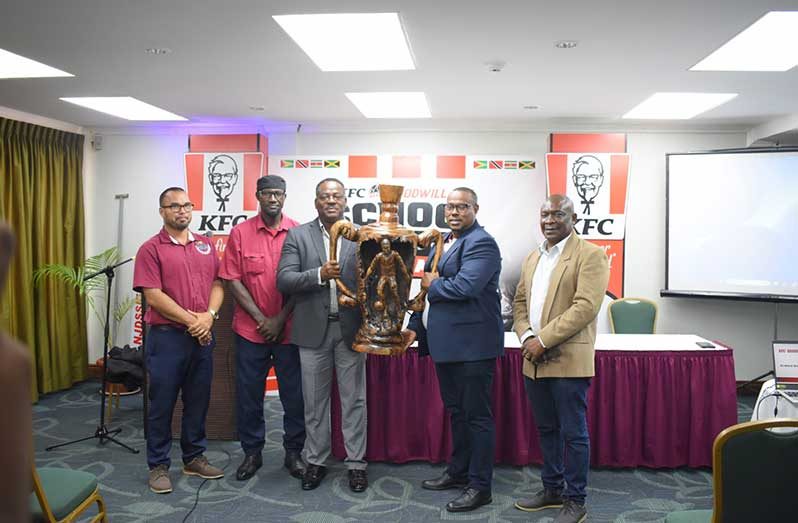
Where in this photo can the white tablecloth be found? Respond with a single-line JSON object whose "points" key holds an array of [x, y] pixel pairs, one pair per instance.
{"points": [[636, 342]]}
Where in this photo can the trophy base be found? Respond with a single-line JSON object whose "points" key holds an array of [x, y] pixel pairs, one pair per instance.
{"points": [[394, 345]]}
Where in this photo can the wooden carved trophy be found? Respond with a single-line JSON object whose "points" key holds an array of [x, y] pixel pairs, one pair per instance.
{"points": [[386, 253]]}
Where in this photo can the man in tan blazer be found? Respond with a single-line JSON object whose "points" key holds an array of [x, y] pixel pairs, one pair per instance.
{"points": [[556, 303]]}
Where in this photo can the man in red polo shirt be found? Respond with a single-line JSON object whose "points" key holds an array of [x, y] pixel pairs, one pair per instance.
{"points": [[177, 271], [262, 326]]}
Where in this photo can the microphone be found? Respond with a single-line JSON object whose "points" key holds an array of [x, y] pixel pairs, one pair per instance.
{"points": [[109, 269]]}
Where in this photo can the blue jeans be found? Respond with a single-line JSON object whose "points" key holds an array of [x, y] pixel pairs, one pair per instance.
{"points": [[560, 409], [253, 361], [177, 363], [466, 393]]}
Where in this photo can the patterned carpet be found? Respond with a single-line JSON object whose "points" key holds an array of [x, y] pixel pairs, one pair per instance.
{"points": [[395, 495]]}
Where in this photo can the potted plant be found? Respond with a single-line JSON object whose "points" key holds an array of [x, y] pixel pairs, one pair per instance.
{"points": [[91, 289]]}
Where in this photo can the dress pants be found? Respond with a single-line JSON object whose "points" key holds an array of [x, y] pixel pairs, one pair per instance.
{"points": [[560, 409], [177, 363], [318, 364], [466, 392], [253, 362]]}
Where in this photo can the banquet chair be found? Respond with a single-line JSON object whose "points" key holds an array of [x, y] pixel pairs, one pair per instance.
{"points": [[633, 316], [753, 474], [61, 495]]}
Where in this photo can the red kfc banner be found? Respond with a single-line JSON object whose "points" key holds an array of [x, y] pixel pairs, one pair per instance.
{"points": [[593, 170], [222, 174]]}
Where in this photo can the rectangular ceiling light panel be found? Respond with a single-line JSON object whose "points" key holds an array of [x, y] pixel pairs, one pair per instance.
{"points": [[125, 107], [391, 105], [351, 42], [16, 66], [769, 44], [677, 106]]}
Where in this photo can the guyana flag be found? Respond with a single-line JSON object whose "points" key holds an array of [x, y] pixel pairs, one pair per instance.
{"points": [[526, 164], [286, 164], [480, 164], [332, 164]]}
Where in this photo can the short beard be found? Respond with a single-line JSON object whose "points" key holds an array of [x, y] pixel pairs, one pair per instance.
{"points": [[270, 214]]}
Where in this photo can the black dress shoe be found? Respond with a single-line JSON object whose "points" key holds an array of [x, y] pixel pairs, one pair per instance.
{"points": [[313, 476], [358, 481], [444, 482], [470, 499], [293, 462], [250, 465]]}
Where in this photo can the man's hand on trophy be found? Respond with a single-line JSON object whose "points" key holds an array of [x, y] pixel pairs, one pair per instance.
{"points": [[408, 337], [330, 270], [427, 279]]}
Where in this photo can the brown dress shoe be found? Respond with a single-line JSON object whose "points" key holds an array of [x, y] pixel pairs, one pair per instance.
{"points": [[199, 466], [159, 480]]}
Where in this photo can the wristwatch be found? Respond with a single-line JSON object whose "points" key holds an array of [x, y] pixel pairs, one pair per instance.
{"points": [[214, 314]]}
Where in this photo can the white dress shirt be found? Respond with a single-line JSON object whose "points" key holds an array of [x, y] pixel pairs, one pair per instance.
{"points": [[540, 286], [331, 283]]}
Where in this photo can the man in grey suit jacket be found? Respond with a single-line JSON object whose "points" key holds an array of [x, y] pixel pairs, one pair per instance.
{"points": [[324, 333]]}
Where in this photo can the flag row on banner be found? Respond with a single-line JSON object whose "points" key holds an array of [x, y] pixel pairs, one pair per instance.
{"points": [[418, 166]]}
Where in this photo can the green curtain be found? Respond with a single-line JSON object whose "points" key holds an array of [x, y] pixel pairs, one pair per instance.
{"points": [[41, 197]]}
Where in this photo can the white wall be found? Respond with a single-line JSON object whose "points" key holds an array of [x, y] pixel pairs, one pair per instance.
{"points": [[144, 165], [748, 327]]}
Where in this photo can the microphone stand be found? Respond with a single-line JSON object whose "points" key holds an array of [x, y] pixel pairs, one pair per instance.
{"points": [[102, 433]]}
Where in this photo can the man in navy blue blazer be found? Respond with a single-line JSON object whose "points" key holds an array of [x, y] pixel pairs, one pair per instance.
{"points": [[461, 328]]}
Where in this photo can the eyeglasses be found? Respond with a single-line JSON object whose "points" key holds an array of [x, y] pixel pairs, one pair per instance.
{"points": [[461, 207], [269, 194], [581, 178], [217, 177], [176, 207], [331, 196]]}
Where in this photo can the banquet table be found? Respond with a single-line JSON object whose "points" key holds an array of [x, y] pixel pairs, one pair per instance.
{"points": [[656, 401]]}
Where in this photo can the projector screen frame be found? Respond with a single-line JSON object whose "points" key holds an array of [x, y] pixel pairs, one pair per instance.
{"points": [[675, 293]]}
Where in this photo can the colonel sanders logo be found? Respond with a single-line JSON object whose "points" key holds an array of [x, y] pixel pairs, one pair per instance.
{"points": [[223, 176], [588, 177]]}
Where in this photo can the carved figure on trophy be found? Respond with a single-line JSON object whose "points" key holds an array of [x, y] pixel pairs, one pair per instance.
{"points": [[385, 253], [389, 271]]}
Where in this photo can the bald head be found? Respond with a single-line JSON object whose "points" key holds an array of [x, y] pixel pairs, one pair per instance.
{"points": [[557, 218], [562, 200]]}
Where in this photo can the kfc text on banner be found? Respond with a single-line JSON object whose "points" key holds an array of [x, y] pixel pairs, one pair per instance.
{"points": [[597, 184], [222, 187]]}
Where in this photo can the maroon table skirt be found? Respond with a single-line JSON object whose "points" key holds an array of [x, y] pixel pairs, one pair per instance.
{"points": [[652, 409]]}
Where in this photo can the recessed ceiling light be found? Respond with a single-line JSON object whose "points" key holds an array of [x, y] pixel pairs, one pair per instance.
{"points": [[16, 66], [565, 44], [677, 106], [351, 42], [391, 105], [769, 44], [124, 107], [157, 50]]}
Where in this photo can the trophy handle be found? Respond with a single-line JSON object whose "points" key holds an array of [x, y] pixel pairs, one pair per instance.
{"points": [[424, 240], [348, 231]]}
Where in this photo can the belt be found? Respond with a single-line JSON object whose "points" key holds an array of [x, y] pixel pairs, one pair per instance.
{"points": [[333, 317], [169, 328]]}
